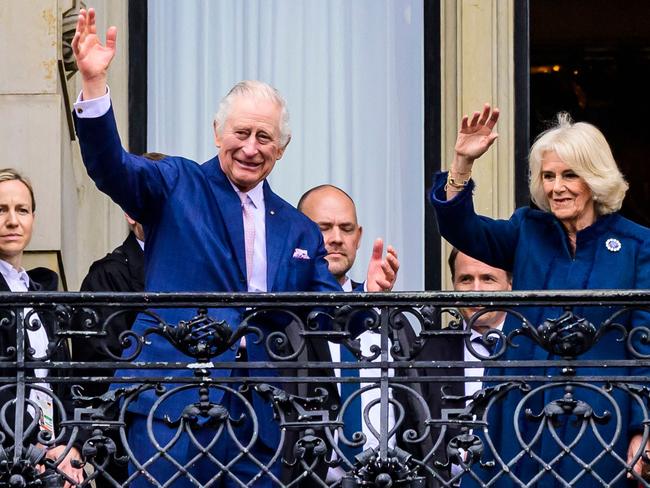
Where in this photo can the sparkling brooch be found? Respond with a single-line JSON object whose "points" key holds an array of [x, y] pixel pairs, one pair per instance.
{"points": [[613, 245]]}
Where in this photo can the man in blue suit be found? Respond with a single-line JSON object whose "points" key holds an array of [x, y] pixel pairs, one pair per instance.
{"points": [[210, 227]]}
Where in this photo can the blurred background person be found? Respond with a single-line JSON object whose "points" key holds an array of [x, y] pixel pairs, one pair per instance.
{"points": [[467, 274]]}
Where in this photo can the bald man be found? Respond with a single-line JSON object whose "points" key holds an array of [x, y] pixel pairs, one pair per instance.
{"points": [[334, 211]]}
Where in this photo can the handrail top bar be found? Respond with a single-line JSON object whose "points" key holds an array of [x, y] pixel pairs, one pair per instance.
{"points": [[407, 299]]}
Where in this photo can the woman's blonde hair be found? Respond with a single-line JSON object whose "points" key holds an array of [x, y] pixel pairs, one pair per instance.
{"points": [[8, 174], [584, 149]]}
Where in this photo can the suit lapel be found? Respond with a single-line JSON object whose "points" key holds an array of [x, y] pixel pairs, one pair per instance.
{"points": [[230, 206], [277, 229]]}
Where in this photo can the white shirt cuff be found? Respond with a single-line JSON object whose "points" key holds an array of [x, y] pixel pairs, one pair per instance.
{"points": [[93, 108]]}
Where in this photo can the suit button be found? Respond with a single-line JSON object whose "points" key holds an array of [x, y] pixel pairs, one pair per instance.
{"points": [[334, 406]]}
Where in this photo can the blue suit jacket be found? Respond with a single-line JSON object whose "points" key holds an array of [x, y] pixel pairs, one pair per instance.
{"points": [[195, 242], [533, 245]]}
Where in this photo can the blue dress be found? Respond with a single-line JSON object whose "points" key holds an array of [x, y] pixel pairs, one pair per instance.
{"points": [[613, 253]]}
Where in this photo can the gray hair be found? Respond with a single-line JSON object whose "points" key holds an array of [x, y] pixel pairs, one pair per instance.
{"points": [[585, 150], [261, 91]]}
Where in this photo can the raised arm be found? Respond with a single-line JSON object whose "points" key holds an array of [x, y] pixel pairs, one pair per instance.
{"points": [[93, 58], [475, 137]]}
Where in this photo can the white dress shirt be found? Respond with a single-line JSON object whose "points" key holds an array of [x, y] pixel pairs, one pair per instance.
{"points": [[95, 107], [367, 339], [474, 386], [18, 281]]}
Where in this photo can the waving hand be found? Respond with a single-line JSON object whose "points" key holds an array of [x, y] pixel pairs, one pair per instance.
{"points": [[93, 58], [476, 135]]}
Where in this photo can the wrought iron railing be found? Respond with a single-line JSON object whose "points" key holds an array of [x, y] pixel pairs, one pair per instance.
{"points": [[561, 414]]}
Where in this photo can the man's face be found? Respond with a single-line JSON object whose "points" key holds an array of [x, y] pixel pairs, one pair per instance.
{"points": [[336, 217], [249, 142], [473, 275]]}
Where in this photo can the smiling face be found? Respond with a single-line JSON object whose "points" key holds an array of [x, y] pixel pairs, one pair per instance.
{"points": [[473, 275], [249, 141], [16, 220], [569, 197], [336, 217]]}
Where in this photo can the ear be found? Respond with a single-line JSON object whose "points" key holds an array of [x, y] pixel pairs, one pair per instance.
{"points": [[281, 150], [129, 219], [360, 236], [217, 136]]}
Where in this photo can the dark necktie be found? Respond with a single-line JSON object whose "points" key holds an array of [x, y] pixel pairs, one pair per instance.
{"points": [[352, 415]]}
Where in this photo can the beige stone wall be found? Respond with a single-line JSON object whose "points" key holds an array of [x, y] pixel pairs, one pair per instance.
{"points": [[74, 221], [477, 66]]}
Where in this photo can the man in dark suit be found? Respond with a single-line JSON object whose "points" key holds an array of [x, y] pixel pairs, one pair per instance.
{"points": [[210, 227], [467, 274], [334, 211]]}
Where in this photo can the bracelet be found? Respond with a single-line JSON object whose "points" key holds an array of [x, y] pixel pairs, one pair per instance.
{"points": [[456, 184], [454, 189]]}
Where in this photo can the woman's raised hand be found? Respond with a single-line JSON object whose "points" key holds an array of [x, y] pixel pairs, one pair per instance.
{"points": [[475, 136]]}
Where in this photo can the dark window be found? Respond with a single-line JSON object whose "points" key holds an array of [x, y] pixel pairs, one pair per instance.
{"points": [[591, 58]]}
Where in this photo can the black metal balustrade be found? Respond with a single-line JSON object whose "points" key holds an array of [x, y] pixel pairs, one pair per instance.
{"points": [[442, 450]]}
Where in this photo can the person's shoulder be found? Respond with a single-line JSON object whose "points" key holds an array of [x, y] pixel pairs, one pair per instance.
{"points": [[44, 278], [115, 259], [530, 213], [628, 228], [179, 162], [533, 218], [277, 203], [110, 273]]}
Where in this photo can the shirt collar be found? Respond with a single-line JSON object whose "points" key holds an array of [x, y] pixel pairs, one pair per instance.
{"points": [[347, 286], [256, 194], [11, 274], [476, 333]]}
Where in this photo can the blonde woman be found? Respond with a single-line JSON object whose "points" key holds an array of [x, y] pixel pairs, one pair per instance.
{"points": [[17, 207], [576, 240]]}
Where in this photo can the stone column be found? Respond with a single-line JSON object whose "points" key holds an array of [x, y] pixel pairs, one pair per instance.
{"points": [[477, 66]]}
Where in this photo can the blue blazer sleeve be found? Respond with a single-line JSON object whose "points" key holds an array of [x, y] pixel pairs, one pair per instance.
{"points": [[640, 319], [136, 184], [492, 241]]}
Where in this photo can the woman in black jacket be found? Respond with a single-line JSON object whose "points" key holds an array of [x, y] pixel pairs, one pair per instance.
{"points": [[17, 206]]}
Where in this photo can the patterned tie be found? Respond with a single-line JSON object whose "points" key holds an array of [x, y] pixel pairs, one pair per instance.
{"points": [[352, 416], [249, 233]]}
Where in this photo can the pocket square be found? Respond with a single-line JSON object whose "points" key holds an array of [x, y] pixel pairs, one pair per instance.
{"points": [[300, 254]]}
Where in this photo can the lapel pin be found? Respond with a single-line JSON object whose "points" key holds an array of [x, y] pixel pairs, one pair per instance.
{"points": [[613, 245]]}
